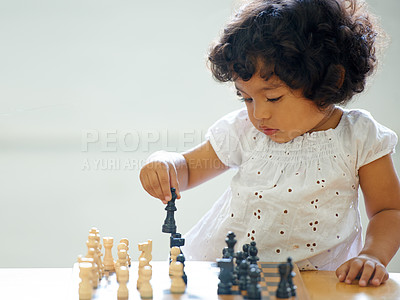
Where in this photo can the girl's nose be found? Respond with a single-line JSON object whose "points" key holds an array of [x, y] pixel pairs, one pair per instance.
{"points": [[261, 111]]}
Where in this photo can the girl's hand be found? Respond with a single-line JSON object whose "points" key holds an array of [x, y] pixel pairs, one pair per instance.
{"points": [[157, 176], [365, 267]]}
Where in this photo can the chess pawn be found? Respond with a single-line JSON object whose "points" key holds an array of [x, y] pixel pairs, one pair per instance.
{"points": [[283, 290], [175, 251], [121, 262], [178, 286], [243, 274], [290, 277], [181, 259], [108, 261], [146, 290], [245, 249], [97, 246], [92, 254], [142, 264], [126, 242], [123, 292], [95, 274], [85, 286], [253, 288], [96, 233], [253, 258]]}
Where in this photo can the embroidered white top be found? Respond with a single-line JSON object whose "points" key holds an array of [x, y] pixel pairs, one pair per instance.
{"points": [[297, 199]]}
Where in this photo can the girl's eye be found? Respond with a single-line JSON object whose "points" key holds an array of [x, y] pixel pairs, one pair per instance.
{"points": [[274, 99], [243, 99]]}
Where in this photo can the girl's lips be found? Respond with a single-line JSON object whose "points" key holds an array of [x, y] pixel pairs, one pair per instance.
{"points": [[269, 131]]}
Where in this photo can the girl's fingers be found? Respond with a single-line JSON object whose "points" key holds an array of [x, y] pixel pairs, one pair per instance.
{"points": [[355, 268], [368, 270], [342, 271], [380, 276]]}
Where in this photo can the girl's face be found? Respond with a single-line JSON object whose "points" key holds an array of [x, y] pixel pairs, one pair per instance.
{"points": [[280, 112]]}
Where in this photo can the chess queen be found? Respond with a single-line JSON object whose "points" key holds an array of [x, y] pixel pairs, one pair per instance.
{"points": [[300, 156]]}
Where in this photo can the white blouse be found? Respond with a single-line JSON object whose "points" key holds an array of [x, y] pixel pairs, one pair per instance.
{"points": [[297, 199]]}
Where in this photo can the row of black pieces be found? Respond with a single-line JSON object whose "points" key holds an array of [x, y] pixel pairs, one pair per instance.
{"points": [[249, 278], [249, 250], [246, 273]]}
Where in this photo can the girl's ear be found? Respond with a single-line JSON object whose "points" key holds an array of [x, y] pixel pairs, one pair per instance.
{"points": [[342, 71]]}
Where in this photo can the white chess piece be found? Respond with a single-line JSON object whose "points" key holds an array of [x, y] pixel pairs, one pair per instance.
{"points": [[92, 254], [123, 292], [146, 249], [95, 274], [85, 286], [126, 242], [142, 264], [108, 261], [178, 286], [121, 262], [146, 290], [175, 251], [97, 246]]}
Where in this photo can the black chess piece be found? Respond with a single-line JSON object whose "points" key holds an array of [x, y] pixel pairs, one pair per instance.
{"points": [[291, 274], [253, 258], [176, 240], [230, 241], [169, 223], [245, 248], [181, 259], [253, 287], [225, 253], [243, 274], [225, 276], [283, 291], [238, 259]]}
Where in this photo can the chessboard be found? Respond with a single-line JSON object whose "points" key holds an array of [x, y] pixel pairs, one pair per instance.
{"points": [[202, 283]]}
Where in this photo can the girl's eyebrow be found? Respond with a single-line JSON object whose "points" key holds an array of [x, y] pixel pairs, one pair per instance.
{"points": [[266, 88]]}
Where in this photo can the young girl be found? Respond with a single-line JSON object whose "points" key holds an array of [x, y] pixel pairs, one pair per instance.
{"points": [[300, 158]]}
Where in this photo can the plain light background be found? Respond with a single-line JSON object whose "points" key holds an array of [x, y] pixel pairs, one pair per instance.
{"points": [[89, 88]]}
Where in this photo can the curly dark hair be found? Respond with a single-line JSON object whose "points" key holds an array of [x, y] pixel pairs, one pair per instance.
{"points": [[326, 48]]}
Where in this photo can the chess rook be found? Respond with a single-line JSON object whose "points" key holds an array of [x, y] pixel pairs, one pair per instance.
{"points": [[108, 261], [225, 276]]}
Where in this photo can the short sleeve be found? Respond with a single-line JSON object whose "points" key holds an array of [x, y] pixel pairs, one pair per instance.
{"points": [[226, 137], [373, 140]]}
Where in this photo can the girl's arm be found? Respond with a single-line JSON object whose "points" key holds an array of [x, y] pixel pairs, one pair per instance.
{"points": [[381, 190], [164, 170]]}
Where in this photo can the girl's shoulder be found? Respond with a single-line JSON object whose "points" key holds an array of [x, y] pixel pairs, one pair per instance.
{"points": [[365, 138], [235, 123], [359, 123]]}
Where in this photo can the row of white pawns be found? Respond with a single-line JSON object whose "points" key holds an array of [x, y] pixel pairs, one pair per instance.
{"points": [[92, 268]]}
